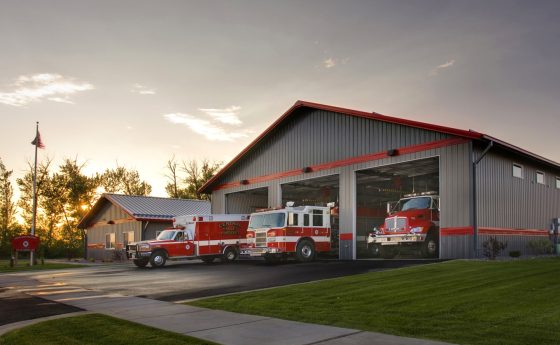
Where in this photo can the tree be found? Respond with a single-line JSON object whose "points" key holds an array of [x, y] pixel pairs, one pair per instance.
{"points": [[7, 207], [122, 180], [196, 175]]}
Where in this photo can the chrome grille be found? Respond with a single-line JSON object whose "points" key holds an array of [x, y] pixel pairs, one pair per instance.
{"points": [[395, 224], [260, 239]]}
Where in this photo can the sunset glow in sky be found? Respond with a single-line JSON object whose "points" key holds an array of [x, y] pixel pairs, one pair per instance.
{"points": [[136, 82]]}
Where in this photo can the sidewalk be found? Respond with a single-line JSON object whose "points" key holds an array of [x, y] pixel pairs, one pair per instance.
{"points": [[215, 325]]}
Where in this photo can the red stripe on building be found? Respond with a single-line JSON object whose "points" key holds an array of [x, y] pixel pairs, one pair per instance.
{"points": [[460, 231], [347, 236], [348, 161], [518, 232]]}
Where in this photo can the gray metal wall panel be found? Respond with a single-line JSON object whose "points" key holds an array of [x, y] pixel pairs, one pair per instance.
{"points": [[242, 202], [456, 247], [96, 235], [505, 201], [514, 242], [110, 212], [326, 136]]}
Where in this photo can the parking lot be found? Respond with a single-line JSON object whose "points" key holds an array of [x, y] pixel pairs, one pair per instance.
{"points": [[194, 279]]}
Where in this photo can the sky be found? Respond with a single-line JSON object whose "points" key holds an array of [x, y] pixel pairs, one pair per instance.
{"points": [[135, 83]]}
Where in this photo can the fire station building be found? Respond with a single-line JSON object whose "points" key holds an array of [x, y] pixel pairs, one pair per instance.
{"points": [[315, 154]]}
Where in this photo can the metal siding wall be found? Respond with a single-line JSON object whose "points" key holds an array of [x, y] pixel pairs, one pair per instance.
{"points": [[241, 203], [326, 136], [505, 201], [514, 242], [97, 235], [110, 212]]}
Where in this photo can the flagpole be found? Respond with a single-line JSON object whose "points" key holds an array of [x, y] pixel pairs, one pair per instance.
{"points": [[31, 256]]}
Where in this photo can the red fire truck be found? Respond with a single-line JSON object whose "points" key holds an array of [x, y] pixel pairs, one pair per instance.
{"points": [[299, 231], [413, 221], [204, 237]]}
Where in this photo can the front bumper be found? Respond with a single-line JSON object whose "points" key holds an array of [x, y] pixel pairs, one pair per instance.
{"points": [[138, 255], [260, 251], [393, 240]]}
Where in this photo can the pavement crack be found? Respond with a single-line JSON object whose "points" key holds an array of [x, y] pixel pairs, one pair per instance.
{"points": [[230, 325], [333, 338]]}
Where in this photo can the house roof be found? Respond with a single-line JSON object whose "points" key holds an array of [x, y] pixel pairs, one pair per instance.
{"points": [[148, 207], [468, 134]]}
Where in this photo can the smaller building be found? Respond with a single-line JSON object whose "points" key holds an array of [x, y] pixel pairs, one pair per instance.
{"points": [[116, 220]]}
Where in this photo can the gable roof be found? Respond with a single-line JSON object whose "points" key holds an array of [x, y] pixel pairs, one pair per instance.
{"points": [[148, 207], [468, 134]]}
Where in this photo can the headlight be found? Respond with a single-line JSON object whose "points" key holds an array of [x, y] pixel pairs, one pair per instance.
{"points": [[143, 247], [416, 230]]}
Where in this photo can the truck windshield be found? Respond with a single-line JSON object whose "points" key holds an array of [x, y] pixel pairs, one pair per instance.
{"points": [[414, 204], [267, 220], [166, 235]]}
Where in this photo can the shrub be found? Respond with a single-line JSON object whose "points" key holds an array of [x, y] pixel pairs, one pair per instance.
{"points": [[515, 253], [119, 255], [540, 246], [492, 248]]}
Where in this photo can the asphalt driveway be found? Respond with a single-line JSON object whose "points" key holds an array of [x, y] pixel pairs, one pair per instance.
{"points": [[179, 281]]}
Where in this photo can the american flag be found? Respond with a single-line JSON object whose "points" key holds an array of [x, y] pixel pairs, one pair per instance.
{"points": [[37, 141]]}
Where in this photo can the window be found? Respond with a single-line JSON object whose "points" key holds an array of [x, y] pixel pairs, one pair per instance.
{"points": [[293, 219], [558, 182], [110, 241], [306, 219], [158, 232], [540, 177], [317, 218], [517, 171], [128, 237]]}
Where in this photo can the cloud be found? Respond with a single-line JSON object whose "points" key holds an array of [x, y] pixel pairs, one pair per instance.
{"points": [[45, 86], [142, 90], [448, 64], [205, 128], [329, 63], [226, 115]]}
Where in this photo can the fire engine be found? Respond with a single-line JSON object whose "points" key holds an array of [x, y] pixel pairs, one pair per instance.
{"points": [[301, 231], [413, 221], [204, 237]]}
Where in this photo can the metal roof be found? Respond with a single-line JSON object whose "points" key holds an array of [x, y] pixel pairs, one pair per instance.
{"points": [[470, 134], [149, 207]]}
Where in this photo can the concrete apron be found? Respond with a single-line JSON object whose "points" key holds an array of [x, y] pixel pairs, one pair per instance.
{"points": [[215, 325]]}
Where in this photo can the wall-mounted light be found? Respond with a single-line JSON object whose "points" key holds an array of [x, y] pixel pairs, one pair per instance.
{"points": [[307, 169], [244, 182], [392, 152]]}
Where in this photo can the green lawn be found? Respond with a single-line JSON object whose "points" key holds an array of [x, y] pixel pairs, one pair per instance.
{"points": [[93, 329], [23, 265], [465, 302]]}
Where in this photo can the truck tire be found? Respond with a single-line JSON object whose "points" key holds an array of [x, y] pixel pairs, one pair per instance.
{"points": [[158, 259], [230, 254], [208, 259], [140, 262], [430, 247], [305, 251]]}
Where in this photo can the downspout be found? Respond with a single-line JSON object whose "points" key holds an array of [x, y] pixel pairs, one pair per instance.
{"points": [[475, 203]]}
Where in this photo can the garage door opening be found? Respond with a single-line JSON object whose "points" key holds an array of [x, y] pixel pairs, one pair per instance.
{"points": [[247, 201], [410, 191], [316, 192]]}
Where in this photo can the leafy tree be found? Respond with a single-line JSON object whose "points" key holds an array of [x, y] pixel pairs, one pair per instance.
{"points": [[7, 207], [196, 175], [122, 180]]}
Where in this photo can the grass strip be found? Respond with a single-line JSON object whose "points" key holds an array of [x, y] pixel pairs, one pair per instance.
{"points": [[464, 302], [23, 265], [94, 329]]}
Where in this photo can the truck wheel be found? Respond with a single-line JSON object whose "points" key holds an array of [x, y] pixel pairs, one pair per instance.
{"points": [[140, 262], [305, 251], [158, 259], [229, 255], [388, 252], [208, 259], [430, 247], [375, 250]]}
